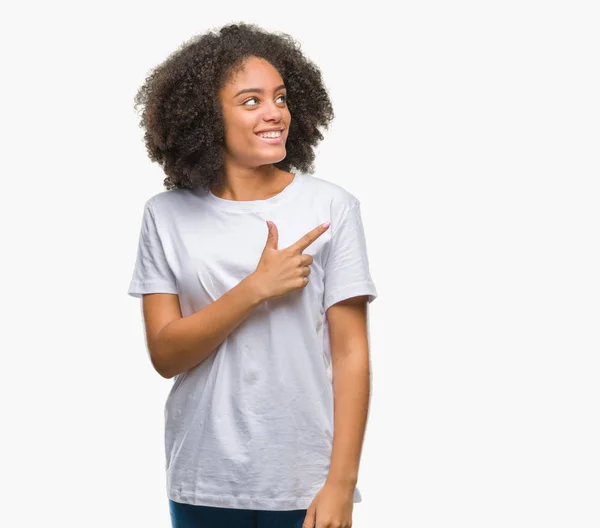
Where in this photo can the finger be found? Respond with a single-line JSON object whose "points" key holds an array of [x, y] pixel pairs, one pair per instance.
{"points": [[310, 519], [273, 236], [307, 259], [309, 238]]}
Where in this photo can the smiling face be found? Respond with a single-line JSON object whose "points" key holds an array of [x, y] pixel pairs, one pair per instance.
{"points": [[256, 115]]}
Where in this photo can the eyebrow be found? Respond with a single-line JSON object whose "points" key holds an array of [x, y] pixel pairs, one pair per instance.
{"points": [[258, 90]]}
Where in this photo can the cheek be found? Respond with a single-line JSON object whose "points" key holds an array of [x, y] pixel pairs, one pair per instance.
{"points": [[238, 129], [240, 124]]}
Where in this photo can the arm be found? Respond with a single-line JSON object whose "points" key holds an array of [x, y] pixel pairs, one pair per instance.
{"points": [[177, 343], [350, 367]]}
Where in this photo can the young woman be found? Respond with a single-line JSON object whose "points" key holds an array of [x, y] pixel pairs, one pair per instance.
{"points": [[255, 282]]}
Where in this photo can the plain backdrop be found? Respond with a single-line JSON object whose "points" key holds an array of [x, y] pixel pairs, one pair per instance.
{"points": [[469, 132]]}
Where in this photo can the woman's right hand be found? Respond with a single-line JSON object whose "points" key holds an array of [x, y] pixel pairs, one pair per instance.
{"points": [[281, 271]]}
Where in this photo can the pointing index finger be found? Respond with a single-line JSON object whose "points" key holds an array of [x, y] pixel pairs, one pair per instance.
{"points": [[309, 238]]}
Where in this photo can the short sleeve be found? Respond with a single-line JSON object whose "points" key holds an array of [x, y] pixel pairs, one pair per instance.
{"points": [[151, 273], [347, 271]]}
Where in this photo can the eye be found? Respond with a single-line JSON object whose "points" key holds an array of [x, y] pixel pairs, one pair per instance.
{"points": [[282, 96]]}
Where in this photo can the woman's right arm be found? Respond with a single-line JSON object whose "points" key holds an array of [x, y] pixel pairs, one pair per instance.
{"points": [[177, 344]]}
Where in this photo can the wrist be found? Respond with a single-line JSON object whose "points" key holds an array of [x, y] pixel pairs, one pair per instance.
{"points": [[342, 481], [343, 484], [254, 289]]}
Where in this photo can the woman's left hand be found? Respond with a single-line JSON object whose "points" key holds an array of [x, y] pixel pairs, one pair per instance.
{"points": [[331, 507]]}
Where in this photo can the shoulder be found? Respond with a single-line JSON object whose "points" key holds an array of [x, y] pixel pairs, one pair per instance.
{"points": [[162, 211], [167, 198], [340, 199], [162, 204]]}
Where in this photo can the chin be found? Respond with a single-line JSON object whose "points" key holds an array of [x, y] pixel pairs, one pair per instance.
{"points": [[274, 158]]}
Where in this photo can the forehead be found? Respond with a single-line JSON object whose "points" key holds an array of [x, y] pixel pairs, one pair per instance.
{"points": [[254, 73]]}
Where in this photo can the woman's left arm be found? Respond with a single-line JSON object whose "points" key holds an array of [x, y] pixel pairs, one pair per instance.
{"points": [[333, 504], [350, 368]]}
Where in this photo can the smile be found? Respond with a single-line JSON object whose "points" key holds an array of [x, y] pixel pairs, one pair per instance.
{"points": [[273, 137]]}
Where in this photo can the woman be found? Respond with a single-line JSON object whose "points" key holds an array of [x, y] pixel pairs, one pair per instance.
{"points": [[254, 278]]}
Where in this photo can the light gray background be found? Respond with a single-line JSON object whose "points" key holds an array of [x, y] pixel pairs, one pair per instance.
{"points": [[468, 130]]}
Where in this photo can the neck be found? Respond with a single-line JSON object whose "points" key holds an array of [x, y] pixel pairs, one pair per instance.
{"points": [[259, 183]]}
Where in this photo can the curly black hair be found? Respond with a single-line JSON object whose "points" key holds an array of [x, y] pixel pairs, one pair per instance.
{"points": [[182, 115]]}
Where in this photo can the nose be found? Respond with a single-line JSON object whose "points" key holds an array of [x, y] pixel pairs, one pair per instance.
{"points": [[272, 112]]}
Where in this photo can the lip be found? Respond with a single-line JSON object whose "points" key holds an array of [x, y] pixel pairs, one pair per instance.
{"points": [[272, 141]]}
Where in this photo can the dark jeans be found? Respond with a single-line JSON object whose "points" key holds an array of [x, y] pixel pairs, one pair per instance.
{"points": [[189, 516]]}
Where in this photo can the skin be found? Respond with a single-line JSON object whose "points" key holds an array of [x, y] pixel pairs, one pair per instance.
{"points": [[332, 505], [249, 169], [251, 175]]}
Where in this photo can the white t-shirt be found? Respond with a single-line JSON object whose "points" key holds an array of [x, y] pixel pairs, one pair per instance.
{"points": [[251, 427]]}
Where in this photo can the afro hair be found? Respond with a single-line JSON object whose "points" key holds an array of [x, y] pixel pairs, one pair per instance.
{"points": [[182, 115]]}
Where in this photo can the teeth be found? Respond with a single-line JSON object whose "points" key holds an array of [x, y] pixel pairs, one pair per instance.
{"points": [[274, 134]]}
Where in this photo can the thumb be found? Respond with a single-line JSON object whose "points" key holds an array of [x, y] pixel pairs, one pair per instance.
{"points": [[273, 236], [310, 519]]}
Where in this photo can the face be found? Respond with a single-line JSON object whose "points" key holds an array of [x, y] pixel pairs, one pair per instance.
{"points": [[256, 115]]}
